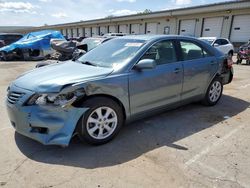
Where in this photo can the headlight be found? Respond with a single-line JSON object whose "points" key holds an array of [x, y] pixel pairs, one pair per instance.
{"points": [[55, 99]]}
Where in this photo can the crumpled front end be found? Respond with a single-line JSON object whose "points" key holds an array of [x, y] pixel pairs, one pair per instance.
{"points": [[49, 125]]}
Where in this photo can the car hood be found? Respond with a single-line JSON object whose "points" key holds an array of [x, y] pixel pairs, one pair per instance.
{"points": [[53, 77]]}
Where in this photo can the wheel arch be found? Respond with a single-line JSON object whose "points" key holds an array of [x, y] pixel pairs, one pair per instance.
{"points": [[216, 75], [80, 102], [231, 52]]}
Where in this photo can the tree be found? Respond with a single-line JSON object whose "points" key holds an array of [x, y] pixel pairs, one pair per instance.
{"points": [[146, 11]]}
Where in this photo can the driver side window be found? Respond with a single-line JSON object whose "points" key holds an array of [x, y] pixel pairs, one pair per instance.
{"points": [[162, 52]]}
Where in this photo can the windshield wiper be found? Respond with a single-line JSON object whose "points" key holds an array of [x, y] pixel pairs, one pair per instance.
{"points": [[87, 63]]}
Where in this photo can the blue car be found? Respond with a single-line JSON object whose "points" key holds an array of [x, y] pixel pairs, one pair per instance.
{"points": [[32, 46], [122, 80]]}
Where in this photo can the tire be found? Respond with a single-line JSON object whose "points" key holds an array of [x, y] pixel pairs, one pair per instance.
{"points": [[214, 92], [239, 61], [230, 54], [102, 122]]}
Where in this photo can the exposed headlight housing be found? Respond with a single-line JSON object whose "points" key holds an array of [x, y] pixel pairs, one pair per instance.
{"points": [[55, 99]]}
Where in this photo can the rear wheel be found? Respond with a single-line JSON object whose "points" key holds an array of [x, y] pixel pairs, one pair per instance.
{"points": [[239, 61], [230, 54], [101, 122], [214, 92]]}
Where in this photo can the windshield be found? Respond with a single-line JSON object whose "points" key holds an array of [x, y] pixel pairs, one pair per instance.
{"points": [[92, 42], [113, 53]]}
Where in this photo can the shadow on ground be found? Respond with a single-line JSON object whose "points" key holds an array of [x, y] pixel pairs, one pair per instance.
{"points": [[136, 138]]}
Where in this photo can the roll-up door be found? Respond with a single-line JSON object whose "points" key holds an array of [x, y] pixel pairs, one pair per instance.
{"points": [[187, 27], [103, 30], [123, 29], [212, 27], [135, 28], [87, 32], [112, 29], [151, 28], [240, 31]]}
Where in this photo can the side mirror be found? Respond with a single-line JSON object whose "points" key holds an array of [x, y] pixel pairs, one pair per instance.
{"points": [[146, 64], [216, 45]]}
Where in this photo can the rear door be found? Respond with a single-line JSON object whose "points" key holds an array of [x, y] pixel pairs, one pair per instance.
{"points": [[199, 68], [160, 86]]}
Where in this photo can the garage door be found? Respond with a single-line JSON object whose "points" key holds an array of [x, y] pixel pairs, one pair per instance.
{"points": [[151, 28], [103, 30], [123, 29], [64, 32], [67, 32], [95, 31], [135, 28], [74, 32], [70, 32], [87, 32], [81, 32], [187, 27], [112, 29], [212, 27], [240, 29]]}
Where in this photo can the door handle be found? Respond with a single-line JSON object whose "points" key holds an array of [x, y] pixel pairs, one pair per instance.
{"points": [[213, 62], [177, 70]]}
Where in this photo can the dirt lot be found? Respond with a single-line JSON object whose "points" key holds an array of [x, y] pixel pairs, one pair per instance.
{"points": [[193, 146]]}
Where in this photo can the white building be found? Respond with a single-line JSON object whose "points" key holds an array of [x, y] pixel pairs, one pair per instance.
{"points": [[228, 19]]}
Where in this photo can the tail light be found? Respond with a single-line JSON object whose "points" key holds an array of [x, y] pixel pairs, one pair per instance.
{"points": [[229, 62]]}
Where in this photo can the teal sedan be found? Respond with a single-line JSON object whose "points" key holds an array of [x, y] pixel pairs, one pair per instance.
{"points": [[119, 81]]}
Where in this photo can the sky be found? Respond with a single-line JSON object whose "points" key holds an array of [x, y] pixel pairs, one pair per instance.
{"points": [[41, 12]]}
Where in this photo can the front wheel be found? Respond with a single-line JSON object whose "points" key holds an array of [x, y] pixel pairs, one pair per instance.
{"points": [[230, 54], [239, 61], [101, 122], [214, 92]]}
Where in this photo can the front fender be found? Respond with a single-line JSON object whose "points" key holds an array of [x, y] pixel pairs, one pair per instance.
{"points": [[115, 86]]}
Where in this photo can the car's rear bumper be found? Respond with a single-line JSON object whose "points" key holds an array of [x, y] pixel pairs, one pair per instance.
{"points": [[228, 76]]}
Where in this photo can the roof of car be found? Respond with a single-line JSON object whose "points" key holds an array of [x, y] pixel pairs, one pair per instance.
{"points": [[212, 38], [148, 37], [208, 38]]}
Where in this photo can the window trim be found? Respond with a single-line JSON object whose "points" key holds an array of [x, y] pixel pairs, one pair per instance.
{"points": [[194, 42], [225, 41], [174, 41]]}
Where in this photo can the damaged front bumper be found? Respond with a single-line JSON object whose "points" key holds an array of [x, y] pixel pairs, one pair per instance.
{"points": [[49, 125]]}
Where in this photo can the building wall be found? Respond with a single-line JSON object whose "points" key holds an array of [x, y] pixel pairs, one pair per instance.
{"points": [[166, 21]]}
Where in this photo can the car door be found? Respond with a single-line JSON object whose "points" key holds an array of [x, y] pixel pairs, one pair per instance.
{"points": [[199, 68], [154, 88]]}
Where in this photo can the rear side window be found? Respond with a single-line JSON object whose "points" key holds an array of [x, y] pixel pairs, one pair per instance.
{"points": [[162, 52], [224, 42], [218, 41], [192, 51]]}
